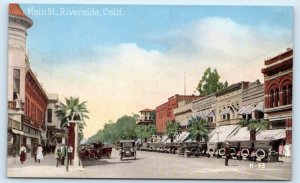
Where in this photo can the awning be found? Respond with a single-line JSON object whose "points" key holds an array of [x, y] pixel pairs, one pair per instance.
{"points": [[259, 107], [242, 134], [270, 135], [211, 114], [248, 110], [241, 111], [182, 137], [184, 123], [219, 134], [225, 111], [17, 131]]}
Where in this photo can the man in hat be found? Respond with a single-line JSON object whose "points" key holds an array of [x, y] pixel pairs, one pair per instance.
{"points": [[227, 153]]}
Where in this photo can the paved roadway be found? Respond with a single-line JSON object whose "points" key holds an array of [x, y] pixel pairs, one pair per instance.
{"points": [[153, 165]]}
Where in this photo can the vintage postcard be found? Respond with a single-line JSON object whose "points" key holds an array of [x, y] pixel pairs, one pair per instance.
{"points": [[150, 91]]}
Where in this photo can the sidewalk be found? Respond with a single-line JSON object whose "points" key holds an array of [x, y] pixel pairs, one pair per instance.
{"points": [[30, 168]]}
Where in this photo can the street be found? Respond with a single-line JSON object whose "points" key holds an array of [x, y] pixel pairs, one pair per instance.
{"points": [[151, 165]]}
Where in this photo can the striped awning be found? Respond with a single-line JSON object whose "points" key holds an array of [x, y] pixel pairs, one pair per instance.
{"points": [[259, 107]]}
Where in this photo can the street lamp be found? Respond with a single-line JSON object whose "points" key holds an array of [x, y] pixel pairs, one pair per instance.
{"points": [[76, 118]]}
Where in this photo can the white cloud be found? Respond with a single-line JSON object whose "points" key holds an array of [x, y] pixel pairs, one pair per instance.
{"points": [[126, 78]]}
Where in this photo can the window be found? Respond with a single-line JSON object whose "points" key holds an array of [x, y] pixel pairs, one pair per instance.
{"points": [[16, 84], [290, 94], [284, 96], [272, 99], [49, 116], [277, 102]]}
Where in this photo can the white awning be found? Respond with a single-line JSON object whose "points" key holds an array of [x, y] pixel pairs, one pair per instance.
{"points": [[182, 137], [211, 113], [241, 111], [270, 135], [17, 131], [219, 134], [184, 123], [225, 111], [259, 107], [242, 134]]}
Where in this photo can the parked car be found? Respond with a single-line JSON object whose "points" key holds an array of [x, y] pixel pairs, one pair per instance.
{"points": [[212, 149], [192, 149], [94, 151], [127, 149]]}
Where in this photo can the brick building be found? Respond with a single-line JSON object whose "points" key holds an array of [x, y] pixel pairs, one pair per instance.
{"points": [[278, 81], [164, 112]]}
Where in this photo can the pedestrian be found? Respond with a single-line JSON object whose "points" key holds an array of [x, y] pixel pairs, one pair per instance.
{"points": [[57, 154], [39, 153], [281, 150], [22, 153], [34, 150], [70, 153], [63, 154], [287, 151], [227, 155]]}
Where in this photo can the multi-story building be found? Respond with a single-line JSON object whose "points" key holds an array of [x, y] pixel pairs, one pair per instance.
{"points": [[27, 101], [53, 125], [253, 101], [278, 85], [206, 108], [228, 103], [164, 112], [146, 117], [183, 112]]}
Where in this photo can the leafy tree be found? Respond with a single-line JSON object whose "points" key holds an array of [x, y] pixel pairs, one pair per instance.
{"points": [[210, 82], [254, 125], [172, 129], [66, 111], [145, 131], [198, 128]]}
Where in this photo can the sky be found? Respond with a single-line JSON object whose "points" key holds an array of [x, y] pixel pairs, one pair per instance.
{"points": [[136, 57]]}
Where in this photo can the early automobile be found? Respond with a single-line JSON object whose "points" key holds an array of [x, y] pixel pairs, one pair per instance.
{"points": [[192, 149], [127, 149], [94, 151]]}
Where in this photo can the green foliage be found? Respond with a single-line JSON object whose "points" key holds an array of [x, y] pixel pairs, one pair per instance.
{"points": [[124, 128], [65, 112], [145, 131], [210, 82], [254, 125], [172, 129], [198, 128]]}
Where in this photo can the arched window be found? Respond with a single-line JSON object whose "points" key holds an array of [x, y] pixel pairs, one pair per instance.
{"points": [[277, 101], [272, 99], [290, 93], [284, 96]]}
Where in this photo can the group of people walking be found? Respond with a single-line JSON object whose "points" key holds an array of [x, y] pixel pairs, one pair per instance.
{"points": [[37, 153], [60, 153]]}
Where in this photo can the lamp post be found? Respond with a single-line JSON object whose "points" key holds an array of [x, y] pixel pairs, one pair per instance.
{"points": [[76, 118]]}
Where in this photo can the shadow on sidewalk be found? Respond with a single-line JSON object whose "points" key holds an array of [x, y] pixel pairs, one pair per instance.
{"points": [[101, 162]]}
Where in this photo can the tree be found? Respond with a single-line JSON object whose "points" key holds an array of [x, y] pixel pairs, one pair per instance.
{"points": [[254, 125], [198, 128], [145, 131], [210, 82], [172, 129], [66, 111]]}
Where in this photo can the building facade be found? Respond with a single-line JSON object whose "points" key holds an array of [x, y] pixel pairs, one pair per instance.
{"points": [[228, 104], [278, 87], [146, 117], [27, 101], [206, 109], [164, 112], [253, 101], [183, 112]]}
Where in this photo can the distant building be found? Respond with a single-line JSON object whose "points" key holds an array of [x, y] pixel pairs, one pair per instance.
{"points": [[278, 89], [228, 103], [253, 101], [183, 112], [164, 112], [206, 108], [146, 117], [53, 134]]}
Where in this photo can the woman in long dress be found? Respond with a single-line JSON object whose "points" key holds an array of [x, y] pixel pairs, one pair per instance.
{"points": [[39, 153], [22, 153], [287, 151]]}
